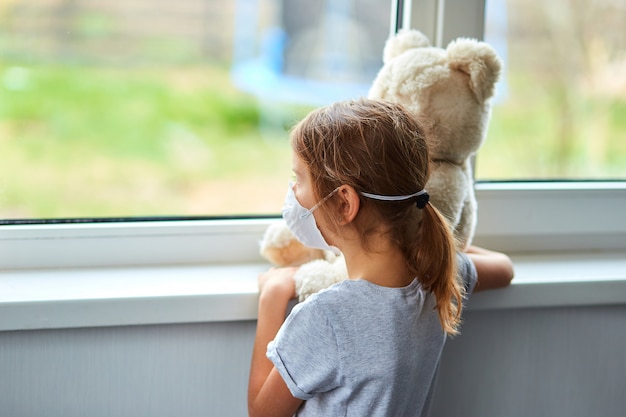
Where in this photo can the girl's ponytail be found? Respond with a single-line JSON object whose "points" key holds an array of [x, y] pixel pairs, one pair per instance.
{"points": [[437, 264]]}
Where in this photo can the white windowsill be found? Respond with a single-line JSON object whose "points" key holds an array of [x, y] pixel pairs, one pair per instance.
{"points": [[62, 298], [55, 276]]}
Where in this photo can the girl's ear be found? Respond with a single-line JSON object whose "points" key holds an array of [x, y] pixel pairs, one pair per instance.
{"points": [[349, 204]]}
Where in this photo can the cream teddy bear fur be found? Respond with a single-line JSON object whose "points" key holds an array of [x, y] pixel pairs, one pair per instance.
{"points": [[450, 91], [318, 269]]}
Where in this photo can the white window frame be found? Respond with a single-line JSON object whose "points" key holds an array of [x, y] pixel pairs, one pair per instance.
{"points": [[513, 217]]}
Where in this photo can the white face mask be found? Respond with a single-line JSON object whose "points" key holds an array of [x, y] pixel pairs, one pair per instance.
{"points": [[301, 222]]}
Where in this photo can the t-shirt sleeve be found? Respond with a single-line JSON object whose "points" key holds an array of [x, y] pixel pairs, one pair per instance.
{"points": [[467, 272], [305, 351]]}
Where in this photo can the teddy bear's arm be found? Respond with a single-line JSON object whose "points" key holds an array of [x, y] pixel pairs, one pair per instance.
{"points": [[281, 248], [317, 275], [464, 231], [448, 187]]}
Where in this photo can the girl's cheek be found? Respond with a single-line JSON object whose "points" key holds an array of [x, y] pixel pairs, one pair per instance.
{"points": [[302, 201]]}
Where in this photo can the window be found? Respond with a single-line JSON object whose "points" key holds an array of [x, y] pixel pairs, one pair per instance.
{"points": [[513, 216], [560, 111], [156, 108]]}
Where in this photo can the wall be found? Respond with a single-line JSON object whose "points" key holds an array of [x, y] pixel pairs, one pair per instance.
{"points": [[508, 362], [164, 370], [536, 362]]}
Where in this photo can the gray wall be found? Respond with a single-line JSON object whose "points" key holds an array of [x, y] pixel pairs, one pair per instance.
{"points": [[536, 362], [507, 362], [167, 370]]}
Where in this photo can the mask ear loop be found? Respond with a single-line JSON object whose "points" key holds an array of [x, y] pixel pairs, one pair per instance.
{"points": [[319, 203], [421, 197]]}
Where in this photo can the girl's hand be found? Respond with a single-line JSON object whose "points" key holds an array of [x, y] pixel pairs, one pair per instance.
{"points": [[278, 283]]}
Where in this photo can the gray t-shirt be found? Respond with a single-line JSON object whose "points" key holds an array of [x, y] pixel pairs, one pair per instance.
{"points": [[359, 349]]}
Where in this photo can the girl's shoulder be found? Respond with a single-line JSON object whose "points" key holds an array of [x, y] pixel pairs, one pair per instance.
{"points": [[335, 292]]}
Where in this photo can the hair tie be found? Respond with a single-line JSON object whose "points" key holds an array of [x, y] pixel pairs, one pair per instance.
{"points": [[422, 199]]}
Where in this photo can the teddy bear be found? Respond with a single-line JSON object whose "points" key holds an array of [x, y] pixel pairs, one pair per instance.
{"points": [[450, 91], [318, 269]]}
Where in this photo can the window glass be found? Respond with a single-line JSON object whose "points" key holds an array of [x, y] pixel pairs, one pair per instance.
{"points": [[113, 108], [560, 111]]}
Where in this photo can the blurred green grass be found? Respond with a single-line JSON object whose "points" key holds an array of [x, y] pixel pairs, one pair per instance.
{"points": [[542, 133], [90, 142]]}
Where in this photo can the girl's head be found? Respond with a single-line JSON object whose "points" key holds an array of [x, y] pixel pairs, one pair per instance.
{"points": [[373, 146], [379, 148]]}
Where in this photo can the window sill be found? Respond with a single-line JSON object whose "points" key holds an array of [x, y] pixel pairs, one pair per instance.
{"points": [[94, 297]]}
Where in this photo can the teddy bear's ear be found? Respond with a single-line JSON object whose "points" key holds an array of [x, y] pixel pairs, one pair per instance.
{"points": [[402, 41], [479, 61]]}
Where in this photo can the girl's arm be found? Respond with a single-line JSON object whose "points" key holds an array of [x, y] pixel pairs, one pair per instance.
{"points": [[268, 394], [494, 269]]}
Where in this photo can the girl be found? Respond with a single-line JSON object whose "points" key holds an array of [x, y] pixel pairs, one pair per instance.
{"points": [[370, 345]]}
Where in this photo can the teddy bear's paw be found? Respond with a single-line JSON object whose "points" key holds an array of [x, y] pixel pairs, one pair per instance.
{"points": [[277, 234], [317, 275], [280, 247]]}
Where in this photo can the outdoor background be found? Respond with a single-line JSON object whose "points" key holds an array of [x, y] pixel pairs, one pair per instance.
{"points": [[112, 108]]}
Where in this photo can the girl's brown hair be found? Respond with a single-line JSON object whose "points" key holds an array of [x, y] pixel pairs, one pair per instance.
{"points": [[377, 147]]}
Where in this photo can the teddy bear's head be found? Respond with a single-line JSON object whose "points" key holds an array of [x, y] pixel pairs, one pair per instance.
{"points": [[450, 88]]}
